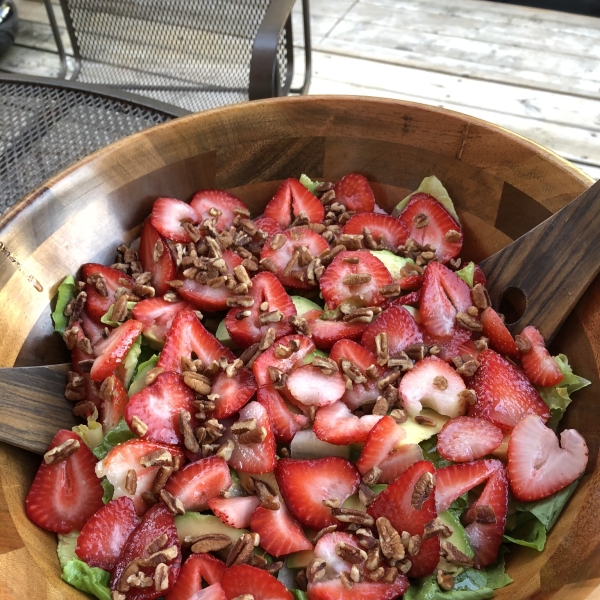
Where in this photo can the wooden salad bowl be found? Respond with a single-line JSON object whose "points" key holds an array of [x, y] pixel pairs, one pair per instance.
{"points": [[502, 186]]}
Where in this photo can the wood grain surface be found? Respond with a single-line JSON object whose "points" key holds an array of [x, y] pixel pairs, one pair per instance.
{"points": [[85, 213]]}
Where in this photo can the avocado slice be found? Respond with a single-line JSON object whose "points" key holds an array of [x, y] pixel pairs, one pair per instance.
{"points": [[459, 537], [392, 262], [304, 305], [354, 503], [416, 433], [195, 524], [433, 186], [300, 560], [223, 336], [311, 356]]}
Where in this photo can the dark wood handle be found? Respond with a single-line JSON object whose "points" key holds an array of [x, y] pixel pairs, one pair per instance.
{"points": [[33, 406], [552, 264]]}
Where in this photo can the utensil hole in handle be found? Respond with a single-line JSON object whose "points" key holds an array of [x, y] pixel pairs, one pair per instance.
{"points": [[512, 303]]}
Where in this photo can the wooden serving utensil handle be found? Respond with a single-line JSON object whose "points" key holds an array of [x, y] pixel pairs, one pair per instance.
{"points": [[552, 265]]}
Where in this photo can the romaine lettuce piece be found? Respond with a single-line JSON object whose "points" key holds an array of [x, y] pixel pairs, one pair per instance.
{"points": [[139, 381], [88, 579], [121, 433], [107, 317], [66, 547], [91, 433], [432, 186], [109, 490], [467, 273], [66, 291], [308, 183]]}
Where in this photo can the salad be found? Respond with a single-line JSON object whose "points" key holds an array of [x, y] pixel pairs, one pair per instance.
{"points": [[315, 403]]}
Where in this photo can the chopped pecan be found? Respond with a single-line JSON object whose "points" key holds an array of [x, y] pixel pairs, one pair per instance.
{"points": [[62, 452], [366, 539], [468, 368], [131, 482], [523, 344], [350, 553], [226, 450], [324, 531], [484, 513], [422, 490], [174, 504], [189, 439], [437, 526], [445, 580], [210, 542], [241, 550], [198, 382], [316, 570], [454, 556], [160, 479], [349, 515], [426, 421], [371, 477], [268, 499], [366, 494], [468, 396], [346, 580], [389, 540], [467, 321]]}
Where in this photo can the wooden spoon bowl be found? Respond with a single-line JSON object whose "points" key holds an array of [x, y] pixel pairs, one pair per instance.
{"points": [[502, 185]]}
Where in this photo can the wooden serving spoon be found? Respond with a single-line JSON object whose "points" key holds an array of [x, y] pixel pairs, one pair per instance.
{"points": [[549, 268]]}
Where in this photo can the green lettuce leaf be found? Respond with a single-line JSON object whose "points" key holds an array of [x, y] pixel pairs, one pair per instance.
{"points": [[109, 490], [121, 433], [92, 580], [66, 291], [527, 531], [467, 273], [66, 547], [91, 433], [139, 381], [430, 453], [433, 186], [129, 365], [107, 317], [458, 507], [309, 184], [299, 595], [496, 573], [548, 510]]}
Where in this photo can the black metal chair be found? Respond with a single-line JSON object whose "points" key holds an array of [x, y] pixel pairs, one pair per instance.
{"points": [[196, 54]]}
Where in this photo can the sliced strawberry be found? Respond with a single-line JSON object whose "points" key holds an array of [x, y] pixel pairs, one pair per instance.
{"points": [[381, 441], [291, 199], [467, 438], [292, 272], [326, 333], [537, 466], [108, 280], [387, 231], [261, 585], [79, 356], [336, 281], [103, 537], [362, 392], [435, 384], [64, 495], [410, 299], [224, 202], [494, 328], [114, 403], [285, 422], [430, 223], [94, 330], [158, 406], [354, 192], [247, 330], [212, 592], [485, 537], [157, 316], [310, 386], [539, 366], [200, 481], [396, 504], [478, 276], [365, 590], [443, 295], [198, 568], [411, 283], [235, 512], [326, 547], [258, 457], [455, 344], [455, 480], [202, 295], [306, 484], [126, 457], [157, 522], [268, 225], [279, 532], [337, 425], [400, 327], [403, 457], [168, 214], [188, 337], [504, 394], [155, 256], [111, 352]]}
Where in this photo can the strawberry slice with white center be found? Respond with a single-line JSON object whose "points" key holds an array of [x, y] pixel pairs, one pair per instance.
{"points": [[279, 532], [306, 484], [103, 537], [355, 276], [94, 330], [325, 549], [286, 422], [245, 579], [495, 330], [111, 352], [64, 495], [354, 192], [312, 386], [291, 199], [356, 359], [158, 407], [271, 310], [431, 224], [207, 296], [455, 480], [337, 425], [456, 344], [504, 394], [268, 225], [487, 519], [365, 590], [212, 592], [200, 481], [466, 438], [399, 326], [443, 295], [539, 366], [156, 257], [79, 356], [434, 384], [157, 316], [537, 466], [257, 457], [126, 457], [325, 333], [221, 202], [198, 568], [290, 260], [157, 523], [188, 337], [399, 461], [113, 404], [235, 512], [168, 215], [409, 504], [101, 283], [381, 441], [387, 231]]}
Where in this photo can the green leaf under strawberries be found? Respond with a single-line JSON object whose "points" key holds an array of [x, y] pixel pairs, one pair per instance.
{"points": [[109, 490], [299, 595], [107, 319], [67, 542], [308, 183], [88, 579], [467, 273], [121, 433], [66, 291]]}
